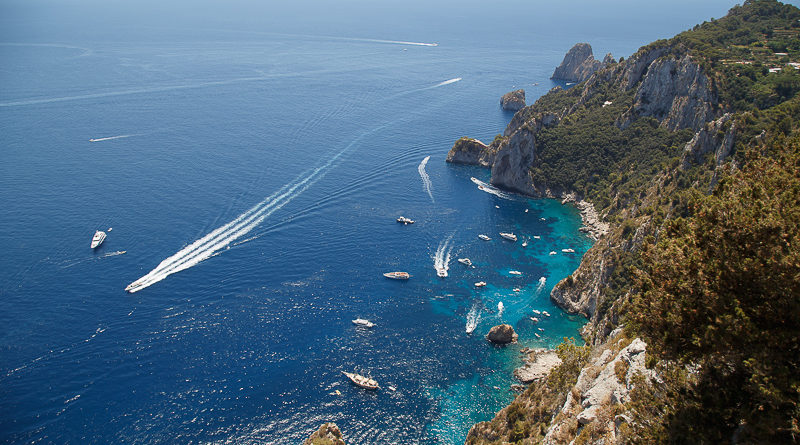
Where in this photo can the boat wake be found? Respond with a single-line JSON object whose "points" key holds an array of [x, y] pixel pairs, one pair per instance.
{"points": [[473, 316], [222, 237], [441, 260], [488, 188], [500, 309], [542, 282], [446, 82], [111, 138], [426, 180]]}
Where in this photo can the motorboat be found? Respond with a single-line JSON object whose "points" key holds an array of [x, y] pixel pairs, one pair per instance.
{"points": [[397, 275], [484, 237], [509, 236], [363, 322], [524, 244], [465, 261], [568, 250], [405, 220], [135, 286], [536, 237], [441, 272], [98, 238], [360, 380], [515, 272], [545, 313], [553, 252], [480, 284]]}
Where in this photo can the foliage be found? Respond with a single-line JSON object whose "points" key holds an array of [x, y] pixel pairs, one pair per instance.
{"points": [[722, 289]]}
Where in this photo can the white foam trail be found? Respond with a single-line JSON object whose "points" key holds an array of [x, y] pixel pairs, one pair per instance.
{"points": [[473, 317], [447, 82], [393, 42], [441, 260], [220, 238], [542, 282], [488, 188], [426, 180], [500, 309], [111, 138]]}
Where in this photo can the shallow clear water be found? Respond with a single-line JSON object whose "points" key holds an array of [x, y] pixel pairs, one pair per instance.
{"points": [[196, 124]]}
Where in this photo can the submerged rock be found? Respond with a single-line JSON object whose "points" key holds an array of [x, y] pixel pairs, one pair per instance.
{"points": [[327, 434], [513, 101], [502, 334]]}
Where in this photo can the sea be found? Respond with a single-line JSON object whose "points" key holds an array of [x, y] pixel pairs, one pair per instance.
{"points": [[248, 161]]}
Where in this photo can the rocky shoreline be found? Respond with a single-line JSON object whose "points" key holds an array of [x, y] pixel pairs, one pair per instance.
{"points": [[593, 225], [538, 363]]}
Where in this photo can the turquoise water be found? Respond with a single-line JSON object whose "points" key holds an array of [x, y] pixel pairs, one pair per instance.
{"points": [[305, 130]]}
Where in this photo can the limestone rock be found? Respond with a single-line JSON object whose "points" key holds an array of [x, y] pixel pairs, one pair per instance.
{"points": [[537, 365], [579, 64], [327, 434], [502, 334], [513, 101], [472, 152]]}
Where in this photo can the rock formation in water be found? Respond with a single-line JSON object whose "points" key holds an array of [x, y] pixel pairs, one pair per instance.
{"points": [[579, 64], [513, 101], [471, 151], [502, 334], [327, 434]]}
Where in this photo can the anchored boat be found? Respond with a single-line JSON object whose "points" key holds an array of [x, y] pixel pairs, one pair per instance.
{"points": [[509, 236], [397, 275], [98, 238], [360, 380], [363, 322]]}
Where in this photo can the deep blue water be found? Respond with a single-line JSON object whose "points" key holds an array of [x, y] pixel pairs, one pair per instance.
{"points": [[208, 115]]}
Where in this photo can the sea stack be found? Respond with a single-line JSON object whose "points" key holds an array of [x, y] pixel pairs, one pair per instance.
{"points": [[327, 434], [502, 334], [513, 101], [579, 64]]}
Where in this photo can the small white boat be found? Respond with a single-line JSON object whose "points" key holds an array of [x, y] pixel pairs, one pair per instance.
{"points": [[545, 313], [534, 319], [360, 380], [405, 220], [536, 236], [465, 261], [568, 250], [537, 335], [524, 244], [540, 329], [98, 238], [441, 272], [480, 284], [536, 312], [553, 252], [515, 272], [484, 237], [392, 388], [363, 322], [509, 236], [526, 210], [542, 219], [497, 207], [135, 286], [516, 289], [397, 275]]}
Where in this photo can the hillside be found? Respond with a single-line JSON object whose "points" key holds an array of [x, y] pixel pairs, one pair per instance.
{"points": [[690, 150]]}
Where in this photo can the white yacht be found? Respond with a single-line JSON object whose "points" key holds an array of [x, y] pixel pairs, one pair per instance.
{"points": [[465, 261], [515, 272], [98, 238], [480, 284], [509, 236], [405, 221], [363, 322], [484, 237], [360, 380], [568, 250]]}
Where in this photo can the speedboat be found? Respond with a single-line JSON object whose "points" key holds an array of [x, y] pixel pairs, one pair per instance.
{"points": [[405, 220], [484, 237], [568, 250], [135, 286], [465, 261], [360, 380], [363, 322], [545, 313], [515, 272], [397, 275], [441, 272], [480, 284], [509, 236], [98, 238]]}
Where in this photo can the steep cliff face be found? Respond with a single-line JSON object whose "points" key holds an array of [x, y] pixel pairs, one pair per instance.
{"points": [[579, 64], [472, 152]]}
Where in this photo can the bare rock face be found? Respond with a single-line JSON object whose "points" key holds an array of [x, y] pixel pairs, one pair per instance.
{"points": [[472, 152], [327, 434], [502, 334], [537, 366], [513, 101], [579, 64]]}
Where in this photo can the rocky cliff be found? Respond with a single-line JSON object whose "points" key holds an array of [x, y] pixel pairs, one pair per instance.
{"points": [[579, 64], [513, 101]]}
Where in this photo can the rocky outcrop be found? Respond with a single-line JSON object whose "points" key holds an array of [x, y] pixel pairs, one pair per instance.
{"points": [[537, 365], [513, 101], [603, 385], [327, 434], [502, 334], [472, 152], [579, 64], [515, 157]]}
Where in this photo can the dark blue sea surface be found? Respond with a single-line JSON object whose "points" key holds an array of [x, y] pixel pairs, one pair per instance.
{"points": [[307, 130]]}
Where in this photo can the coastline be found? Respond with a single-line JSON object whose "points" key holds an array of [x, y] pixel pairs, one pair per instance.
{"points": [[593, 226]]}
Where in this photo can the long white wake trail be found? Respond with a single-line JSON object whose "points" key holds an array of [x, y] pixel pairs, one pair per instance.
{"points": [[223, 236], [441, 260], [426, 180], [111, 138]]}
